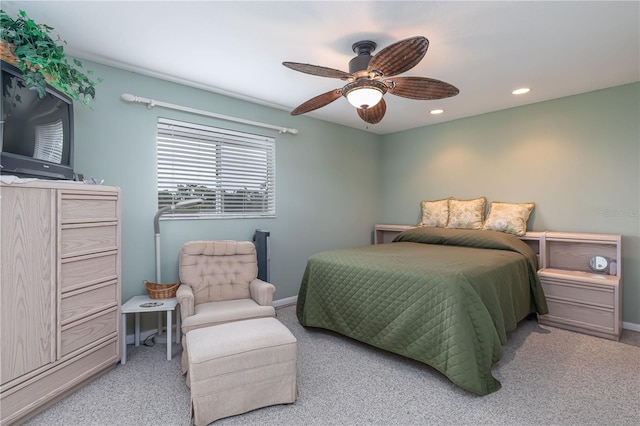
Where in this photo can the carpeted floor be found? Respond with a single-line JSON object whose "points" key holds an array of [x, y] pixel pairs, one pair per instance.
{"points": [[549, 377]]}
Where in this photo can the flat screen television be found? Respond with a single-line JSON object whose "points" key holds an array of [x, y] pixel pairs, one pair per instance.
{"points": [[37, 133]]}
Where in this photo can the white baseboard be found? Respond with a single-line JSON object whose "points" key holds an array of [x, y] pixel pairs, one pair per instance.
{"points": [[131, 338], [287, 301], [631, 326]]}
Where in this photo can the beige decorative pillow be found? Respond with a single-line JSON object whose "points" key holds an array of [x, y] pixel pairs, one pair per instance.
{"points": [[434, 213], [508, 217], [466, 214]]}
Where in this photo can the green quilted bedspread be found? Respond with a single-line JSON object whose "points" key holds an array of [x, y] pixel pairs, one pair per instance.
{"points": [[445, 297]]}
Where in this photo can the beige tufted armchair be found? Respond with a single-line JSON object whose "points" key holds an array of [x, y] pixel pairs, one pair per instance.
{"points": [[219, 284]]}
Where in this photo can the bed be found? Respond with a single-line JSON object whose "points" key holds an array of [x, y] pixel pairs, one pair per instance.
{"points": [[445, 297]]}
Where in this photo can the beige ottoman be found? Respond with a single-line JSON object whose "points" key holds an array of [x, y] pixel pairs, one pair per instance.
{"points": [[240, 366]]}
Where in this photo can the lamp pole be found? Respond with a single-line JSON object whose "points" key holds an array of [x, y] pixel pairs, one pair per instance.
{"points": [[156, 227]]}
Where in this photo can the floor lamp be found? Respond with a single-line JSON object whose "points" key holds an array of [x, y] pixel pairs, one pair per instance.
{"points": [[156, 226]]}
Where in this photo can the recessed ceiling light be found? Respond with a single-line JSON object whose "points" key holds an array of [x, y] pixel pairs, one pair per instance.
{"points": [[436, 111], [521, 91]]}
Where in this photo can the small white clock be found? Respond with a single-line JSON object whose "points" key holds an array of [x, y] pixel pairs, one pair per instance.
{"points": [[599, 264]]}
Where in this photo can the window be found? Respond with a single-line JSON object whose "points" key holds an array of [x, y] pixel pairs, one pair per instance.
{"points": [[233, 172]]}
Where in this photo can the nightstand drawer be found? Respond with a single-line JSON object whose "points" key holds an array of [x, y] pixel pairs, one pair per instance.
{"points": [[580, 315], [578, 292], [89, 330]]}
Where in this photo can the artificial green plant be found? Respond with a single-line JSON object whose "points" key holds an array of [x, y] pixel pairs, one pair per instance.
{"points": [[40, 56]]}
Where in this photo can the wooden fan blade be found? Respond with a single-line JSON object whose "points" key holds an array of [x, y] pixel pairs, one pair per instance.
{"points": [[420, 88], [399, 57], [318, 70], [374, 114], [317, 102]]}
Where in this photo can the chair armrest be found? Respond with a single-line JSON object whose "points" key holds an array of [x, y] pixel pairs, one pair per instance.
{"points": [[262, 292], [185, 299]]}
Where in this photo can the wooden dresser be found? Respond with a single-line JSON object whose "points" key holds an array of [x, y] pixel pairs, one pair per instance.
{"points": [[60, 286]]}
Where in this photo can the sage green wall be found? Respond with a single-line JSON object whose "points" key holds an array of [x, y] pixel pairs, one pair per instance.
{"points": [[326, 178], [577, 158]]}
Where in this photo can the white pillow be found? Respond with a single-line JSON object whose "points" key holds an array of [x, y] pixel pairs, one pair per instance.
{"points": [[466, 214], [508, 217], [434, 213]]}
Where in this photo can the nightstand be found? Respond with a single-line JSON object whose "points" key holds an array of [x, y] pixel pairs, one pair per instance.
{"points": [[383, 234], [579, 299]]}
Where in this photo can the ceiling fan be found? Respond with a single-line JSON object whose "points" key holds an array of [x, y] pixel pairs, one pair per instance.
{"points": [[369, 78]]}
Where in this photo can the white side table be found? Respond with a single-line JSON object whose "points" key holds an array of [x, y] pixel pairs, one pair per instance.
{"points": [[138, 304]]}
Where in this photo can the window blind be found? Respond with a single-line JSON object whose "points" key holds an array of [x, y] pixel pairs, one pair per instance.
{"points": [[233, 172]]}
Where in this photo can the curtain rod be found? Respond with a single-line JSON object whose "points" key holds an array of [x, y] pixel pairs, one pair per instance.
{"points": [[128, 97]]}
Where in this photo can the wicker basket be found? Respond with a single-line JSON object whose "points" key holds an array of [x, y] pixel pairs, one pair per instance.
{"points": [[161, 291]]}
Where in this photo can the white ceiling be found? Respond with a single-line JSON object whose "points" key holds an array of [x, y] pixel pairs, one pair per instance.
{"points": [[485, 48]]}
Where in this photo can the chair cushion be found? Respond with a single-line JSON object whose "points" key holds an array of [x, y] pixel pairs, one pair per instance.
{"points": [[218, 270], [240, 338], [225, 311]]}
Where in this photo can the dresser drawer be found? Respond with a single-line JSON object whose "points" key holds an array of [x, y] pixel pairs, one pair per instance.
{"points": [[81, 303], [602, 295], [79, 272], [20, 401], [76, 208], [77, 240], [86, 331], [580, 315]]}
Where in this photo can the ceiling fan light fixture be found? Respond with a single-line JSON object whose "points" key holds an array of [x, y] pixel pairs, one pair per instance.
{"points": [[364, 97], [364, 93]]}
